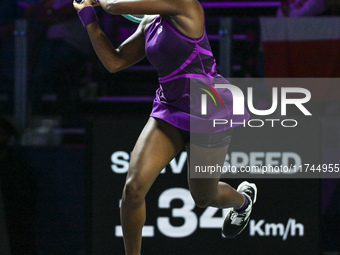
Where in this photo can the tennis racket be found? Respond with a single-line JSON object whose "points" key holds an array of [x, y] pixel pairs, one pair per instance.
{"points": [[137, 18]]}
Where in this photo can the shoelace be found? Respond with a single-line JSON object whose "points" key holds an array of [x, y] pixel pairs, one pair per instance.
{"points": [[235, 220]]}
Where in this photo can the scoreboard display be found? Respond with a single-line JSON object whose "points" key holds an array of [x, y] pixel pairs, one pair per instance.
{"points": [[285, 218]]}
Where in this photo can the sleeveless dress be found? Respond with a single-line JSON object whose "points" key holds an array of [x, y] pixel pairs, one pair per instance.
{"points": [[187, 69]]}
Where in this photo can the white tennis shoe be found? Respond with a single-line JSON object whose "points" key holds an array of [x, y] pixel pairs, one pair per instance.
{"points": [[235, 222]]}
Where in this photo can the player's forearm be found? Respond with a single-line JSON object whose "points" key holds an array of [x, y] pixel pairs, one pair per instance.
{"points": [[105, 51]]}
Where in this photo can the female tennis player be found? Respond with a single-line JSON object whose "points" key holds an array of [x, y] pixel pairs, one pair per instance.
{"points": [[172, 36]]}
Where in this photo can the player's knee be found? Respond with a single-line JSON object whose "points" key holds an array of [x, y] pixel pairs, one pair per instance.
{"points": [[202, 201], [133, 193]]}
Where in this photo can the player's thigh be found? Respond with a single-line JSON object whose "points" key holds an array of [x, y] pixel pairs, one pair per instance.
{"points": [[158, 143]]}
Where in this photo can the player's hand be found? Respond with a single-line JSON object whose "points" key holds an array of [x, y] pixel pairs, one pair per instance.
{"points": [[79, 6]]}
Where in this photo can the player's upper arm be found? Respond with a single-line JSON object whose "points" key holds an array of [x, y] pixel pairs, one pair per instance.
{"points": [[131, 51], [187, 15]]}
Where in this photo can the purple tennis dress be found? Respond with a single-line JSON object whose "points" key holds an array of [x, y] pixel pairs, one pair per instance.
{"points": [[186, 69]]}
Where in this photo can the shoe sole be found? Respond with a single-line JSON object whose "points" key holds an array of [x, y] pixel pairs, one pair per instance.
{"points": [[252, 185]]}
